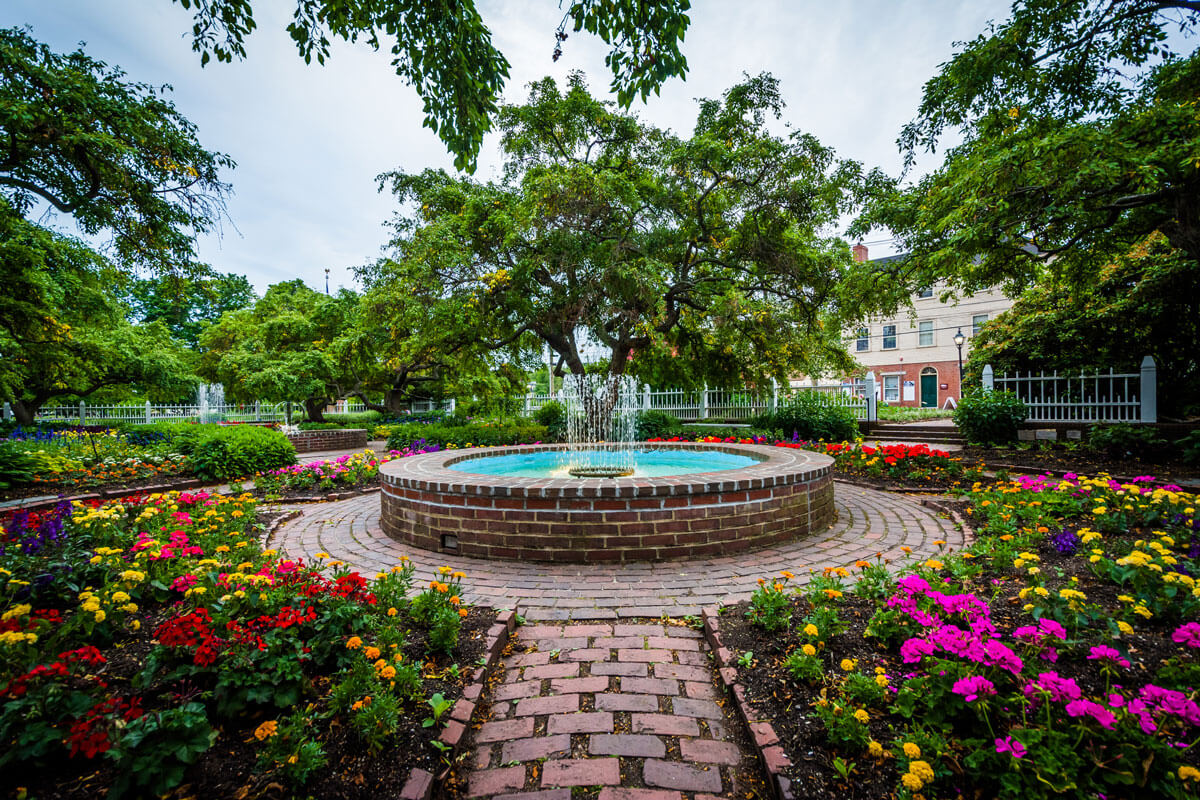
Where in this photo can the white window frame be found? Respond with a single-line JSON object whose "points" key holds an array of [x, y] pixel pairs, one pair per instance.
{"points": [[886, 337], [977, 322], [862, 341], [896, 387], [925, 294], [923, 327]]}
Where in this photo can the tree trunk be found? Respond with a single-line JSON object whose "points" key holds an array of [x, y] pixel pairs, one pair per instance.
{"points": [[25, 411], [314, 408]]}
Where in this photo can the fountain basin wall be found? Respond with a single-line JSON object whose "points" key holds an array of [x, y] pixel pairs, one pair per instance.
{"points": [[786, 495]]}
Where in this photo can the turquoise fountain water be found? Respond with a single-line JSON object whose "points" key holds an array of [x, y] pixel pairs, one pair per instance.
{"points": [[644, 463]]}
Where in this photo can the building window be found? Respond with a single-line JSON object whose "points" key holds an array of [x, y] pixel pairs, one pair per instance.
{"points": [[891, 388], [925, 293], [863, 343], [977, 323], [889, 337], [925, 333]]}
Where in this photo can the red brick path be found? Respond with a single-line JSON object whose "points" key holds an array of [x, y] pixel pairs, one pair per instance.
{"points": [[630, 709], [868, 522]]}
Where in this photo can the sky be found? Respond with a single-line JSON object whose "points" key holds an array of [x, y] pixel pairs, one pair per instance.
{"points": [[309, 140]]}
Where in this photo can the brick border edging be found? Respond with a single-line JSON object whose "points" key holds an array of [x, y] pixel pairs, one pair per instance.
{"points": [[421, 783], [326, 498], [766, 741]]}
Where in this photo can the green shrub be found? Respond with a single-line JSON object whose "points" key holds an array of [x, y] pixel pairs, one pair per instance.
{"points": [[180, 437], [239, 451], [1189, 448], [17, 466], [554, 416], [403, 436], [1122, 440], [656, 425], [990, 417], [360, 419], [808, 415]]}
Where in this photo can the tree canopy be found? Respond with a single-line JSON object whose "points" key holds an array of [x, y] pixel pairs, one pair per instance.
{"points": [[113, 155], [444, 49], [1080, 138], [1142, 303], [679, 260], [187, 304], [63, 330]]}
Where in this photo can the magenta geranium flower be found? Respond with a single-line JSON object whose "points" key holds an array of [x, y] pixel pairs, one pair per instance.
{"points": [[1011, 746], [1188, 634], [1089, 708], [1103, 652], [973, 688]]}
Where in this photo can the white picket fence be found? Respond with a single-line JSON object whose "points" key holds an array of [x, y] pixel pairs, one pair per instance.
{"points": [[739, 405], [146, 413], [1087, 397]]}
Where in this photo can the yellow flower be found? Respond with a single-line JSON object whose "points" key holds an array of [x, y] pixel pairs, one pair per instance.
{"points": [[266, 730], [911, 782], [1124, 627], [1187, 773], [933, 563], [875, 749], [862, 716], [847, 665], [392, 612], [881, 681], [912, 750], [922, 770], [808, 650], [100, 615], [810, 630]]}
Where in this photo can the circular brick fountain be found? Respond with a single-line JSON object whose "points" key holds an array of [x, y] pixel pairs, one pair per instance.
{"points": [[785, 495]]}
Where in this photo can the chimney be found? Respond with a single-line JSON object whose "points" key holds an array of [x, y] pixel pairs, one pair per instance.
{"points": [[860, 252]]}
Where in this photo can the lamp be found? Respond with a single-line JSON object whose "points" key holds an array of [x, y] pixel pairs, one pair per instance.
{"points": [[959, 340], [327, 280]]}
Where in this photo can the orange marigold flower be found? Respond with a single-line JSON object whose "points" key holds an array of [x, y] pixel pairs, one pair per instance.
{"points": [[353, 643]]}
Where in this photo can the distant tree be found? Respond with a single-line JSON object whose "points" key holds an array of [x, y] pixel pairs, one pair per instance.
{"points": [[444, 50], [188, 304], [287, 347], [1080, 138], [681, 259], [113, 155], [1142, 303]]}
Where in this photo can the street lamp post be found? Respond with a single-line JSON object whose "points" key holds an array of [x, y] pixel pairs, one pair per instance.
{"points": [[327, 282], [959, 340]]}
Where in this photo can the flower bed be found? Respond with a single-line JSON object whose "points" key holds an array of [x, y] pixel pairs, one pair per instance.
{"points": [[353, 471], [151, 642], [1058, 656]]}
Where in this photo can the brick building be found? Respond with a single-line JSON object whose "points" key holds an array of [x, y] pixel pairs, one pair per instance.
{"points": [[913, 355]]}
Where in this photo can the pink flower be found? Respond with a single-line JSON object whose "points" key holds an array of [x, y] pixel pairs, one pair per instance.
{"points": [[973, 688], [1089, 708], [1103, 652], [1060, 689], [1011, 746], [1188, 634]]}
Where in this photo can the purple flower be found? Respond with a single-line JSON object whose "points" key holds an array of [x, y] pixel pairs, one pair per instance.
{"points": [[1011, 746], [973, 688], [1065, 542]]}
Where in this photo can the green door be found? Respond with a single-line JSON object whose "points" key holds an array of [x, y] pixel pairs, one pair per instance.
{"points": [[929, 391]]}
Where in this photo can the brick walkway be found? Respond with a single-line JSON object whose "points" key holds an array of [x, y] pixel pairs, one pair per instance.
{"points": [[628, 711], [868, 522]]}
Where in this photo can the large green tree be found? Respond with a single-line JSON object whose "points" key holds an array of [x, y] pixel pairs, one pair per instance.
{"points": [[444, 49], [292, 345], [63, 331], [113, 155], [1142, 303], [187, 304], [1079, 138], [679, 260]]}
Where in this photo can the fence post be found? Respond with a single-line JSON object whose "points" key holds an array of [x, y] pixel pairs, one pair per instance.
{"points": [[258, 410], [82, 413], [1149, 390], [646, 397], [7, 412], [526, 413], [988, 380], [704, 402], [147, 412], [453, 404], [872, 402], [774, 395]]}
